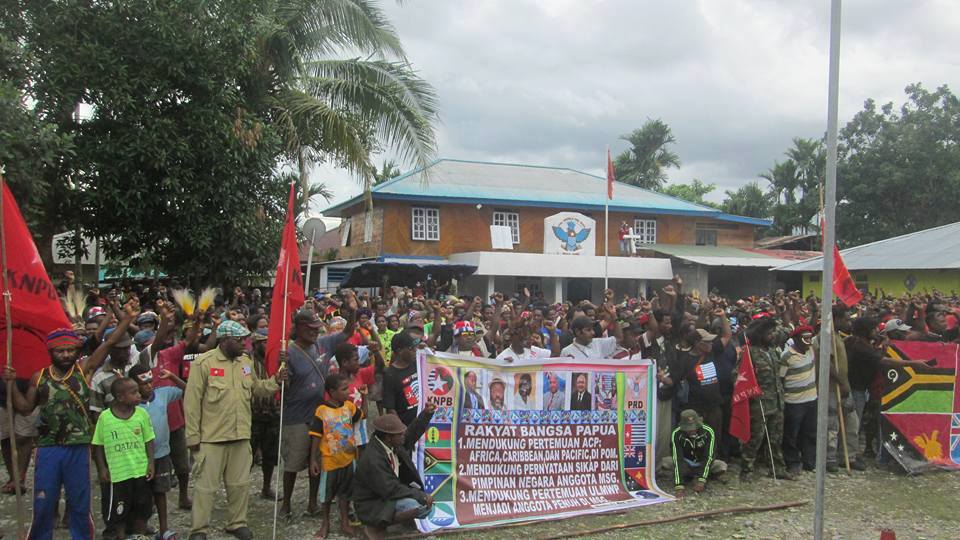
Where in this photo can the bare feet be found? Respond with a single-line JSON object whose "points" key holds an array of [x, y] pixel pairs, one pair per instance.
{"points": [[268, 494], [348, 529], [324, 530]]}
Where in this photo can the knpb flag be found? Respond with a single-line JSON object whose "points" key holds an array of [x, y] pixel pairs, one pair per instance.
{"points": [[745, 388], [287, 290], [35, 308], [843, 285]]}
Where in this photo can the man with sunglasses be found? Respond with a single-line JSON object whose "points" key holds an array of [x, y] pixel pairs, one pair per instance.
{"points": [[217, 403]]}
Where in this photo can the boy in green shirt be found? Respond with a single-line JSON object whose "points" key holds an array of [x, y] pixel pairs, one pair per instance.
{"points": [[123, 449]]}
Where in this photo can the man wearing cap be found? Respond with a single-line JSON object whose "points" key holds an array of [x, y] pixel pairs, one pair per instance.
{"points": [[66, 428], [700, 372], [693, 445], [798, 371], [217, 404], [386, 486], [309, 362], [896, 329], [586, 346], [118, 363]]}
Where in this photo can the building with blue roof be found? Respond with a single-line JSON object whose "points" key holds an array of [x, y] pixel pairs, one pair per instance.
{"points": [[516, 226]]}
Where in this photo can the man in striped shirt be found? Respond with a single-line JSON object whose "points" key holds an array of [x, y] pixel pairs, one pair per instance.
{"points": [[798, 371]]}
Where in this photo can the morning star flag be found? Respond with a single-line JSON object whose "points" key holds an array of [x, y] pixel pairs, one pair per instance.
{"points": [[287, 289], [517, 458], [35, 308], [920, 406], [746, 387], [610, 176]]}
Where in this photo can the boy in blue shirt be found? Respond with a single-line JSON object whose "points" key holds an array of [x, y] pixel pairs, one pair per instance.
{"points": [[155, 401]]}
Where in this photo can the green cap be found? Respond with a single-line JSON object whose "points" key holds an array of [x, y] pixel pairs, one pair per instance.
{"points": [[690, 420], [231, 329]]}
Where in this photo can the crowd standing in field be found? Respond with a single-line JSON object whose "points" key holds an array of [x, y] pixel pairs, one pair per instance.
{"points": [[154, 390]]}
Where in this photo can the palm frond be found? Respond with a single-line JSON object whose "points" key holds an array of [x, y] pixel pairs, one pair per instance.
{"points": [[314, 29]]}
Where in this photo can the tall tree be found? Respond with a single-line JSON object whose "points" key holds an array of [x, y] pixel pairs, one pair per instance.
{"points": [[794, 189], [190, 108], [649, 156], [693, 192], [899, 169], [749, 200]]}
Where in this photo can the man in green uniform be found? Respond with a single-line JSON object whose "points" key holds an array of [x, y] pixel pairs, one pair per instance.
{"points": [[217, 404], [766, 410]]}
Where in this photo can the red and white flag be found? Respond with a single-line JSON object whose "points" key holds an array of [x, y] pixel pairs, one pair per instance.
{"points": [[288, 293], [35, 308], [610, 176], [745, 388]]}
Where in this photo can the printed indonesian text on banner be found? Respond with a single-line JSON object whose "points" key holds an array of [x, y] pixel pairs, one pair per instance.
{"points": [[547, 438]]}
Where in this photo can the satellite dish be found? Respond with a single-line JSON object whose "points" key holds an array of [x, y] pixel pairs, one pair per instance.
{"points": [[314, 229]]}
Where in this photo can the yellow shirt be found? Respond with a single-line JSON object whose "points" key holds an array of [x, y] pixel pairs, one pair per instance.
{"points": [[217, 400]]}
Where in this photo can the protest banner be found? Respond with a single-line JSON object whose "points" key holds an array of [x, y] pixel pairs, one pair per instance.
{"points": [[536, 439], [920, 407]]}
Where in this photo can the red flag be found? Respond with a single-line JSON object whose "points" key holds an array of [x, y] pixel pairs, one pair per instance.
{"points": [[35, 308], [844, 288], [843, 285], [745, 388], [610, 176], [287, 290]]}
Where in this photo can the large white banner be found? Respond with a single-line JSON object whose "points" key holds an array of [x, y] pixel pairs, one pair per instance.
{"points": [[569, 233]]}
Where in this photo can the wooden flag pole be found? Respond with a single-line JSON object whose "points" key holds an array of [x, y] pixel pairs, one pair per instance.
{"points": [[14, 454]]}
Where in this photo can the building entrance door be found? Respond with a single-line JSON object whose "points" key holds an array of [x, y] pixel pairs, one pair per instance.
{"points": [[579, 289]]}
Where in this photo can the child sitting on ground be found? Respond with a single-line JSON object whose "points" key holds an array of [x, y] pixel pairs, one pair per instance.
{"points": [[333, 450], [123, 448]]}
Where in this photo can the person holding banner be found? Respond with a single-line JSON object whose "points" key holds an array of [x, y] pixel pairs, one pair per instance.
{"points": [[383, 484], [62, 393], [217, 404], [587, 347]]}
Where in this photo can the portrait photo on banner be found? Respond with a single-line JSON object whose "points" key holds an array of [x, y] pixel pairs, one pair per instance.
{"points": [[524, 393], [554, 390], [580, 397], [473, 383], [497, 392]]}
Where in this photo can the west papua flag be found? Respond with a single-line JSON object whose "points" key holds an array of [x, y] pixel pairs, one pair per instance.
{"points": [[287, 290], [610, 176], [35, 308], [745, 388]]}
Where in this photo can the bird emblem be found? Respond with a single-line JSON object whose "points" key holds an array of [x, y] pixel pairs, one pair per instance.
{"points": [[571, 238]]}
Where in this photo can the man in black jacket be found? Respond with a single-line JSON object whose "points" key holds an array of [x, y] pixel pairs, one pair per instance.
{"points": [[383, 484]]}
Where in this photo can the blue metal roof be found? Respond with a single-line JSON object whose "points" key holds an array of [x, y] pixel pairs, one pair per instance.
{"points": [[472, 182]]}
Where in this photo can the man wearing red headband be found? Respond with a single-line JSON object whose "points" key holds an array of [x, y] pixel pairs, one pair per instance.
{"points": [[63, 448]]}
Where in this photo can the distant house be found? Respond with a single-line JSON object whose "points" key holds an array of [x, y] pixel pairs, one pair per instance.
{"points": [[548, 234], [915, 262]]}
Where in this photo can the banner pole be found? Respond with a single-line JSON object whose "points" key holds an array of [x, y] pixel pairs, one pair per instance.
{"points": [[283, 387], [7, 297], [766, 434], [829, 240], [606, 231]]}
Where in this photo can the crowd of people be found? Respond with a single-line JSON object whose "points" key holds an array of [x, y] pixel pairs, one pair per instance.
{"points": [[159, 392]]}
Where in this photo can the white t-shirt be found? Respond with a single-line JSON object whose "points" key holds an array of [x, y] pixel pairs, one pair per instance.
{"points": [[603, 347], [529, 353]]}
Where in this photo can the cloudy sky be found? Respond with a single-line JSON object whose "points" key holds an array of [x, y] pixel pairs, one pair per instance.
{"points": [[553, 82]]}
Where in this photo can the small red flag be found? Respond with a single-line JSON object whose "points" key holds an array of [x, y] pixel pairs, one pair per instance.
{"points": [[844, 288], [288, 293], [843, 285], [35, 308], [745, 388], [610, 176], [216, 372]]}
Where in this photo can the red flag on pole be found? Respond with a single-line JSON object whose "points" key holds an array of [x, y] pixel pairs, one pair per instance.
{"points": [[745, 388], [844, 287], [610, 176], [287, 290], [35, 308]]}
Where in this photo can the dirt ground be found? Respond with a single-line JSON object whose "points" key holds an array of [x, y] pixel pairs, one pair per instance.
{"points": [[858, 507]]}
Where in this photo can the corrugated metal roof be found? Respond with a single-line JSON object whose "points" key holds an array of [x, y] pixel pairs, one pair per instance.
{"points": [[716, 255], [453, 180], [929, 249]]}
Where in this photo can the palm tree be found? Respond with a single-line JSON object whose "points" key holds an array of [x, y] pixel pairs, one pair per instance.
{"points": [[388, 171], [338, 109], [795, 186], [644, 164]]}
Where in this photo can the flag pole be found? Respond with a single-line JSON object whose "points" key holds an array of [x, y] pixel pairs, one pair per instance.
{"points": [[7, 297], [283, 387], [829, 240], [606, 229]]}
